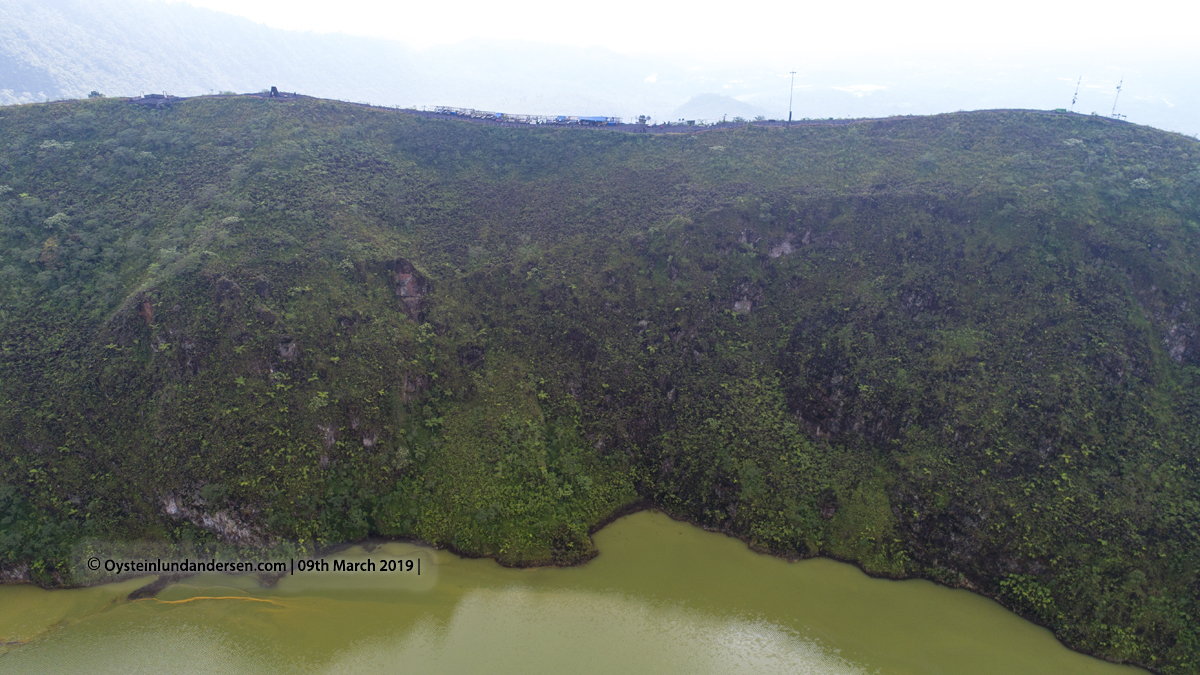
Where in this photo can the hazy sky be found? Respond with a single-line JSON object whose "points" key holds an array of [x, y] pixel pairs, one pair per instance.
{"points": [[733, 31], [869, 58]]}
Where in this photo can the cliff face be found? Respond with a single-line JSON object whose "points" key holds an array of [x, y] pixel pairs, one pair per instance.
{"points": [[962, 347]]}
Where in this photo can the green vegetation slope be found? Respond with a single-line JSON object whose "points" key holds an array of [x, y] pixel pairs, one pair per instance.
{"points": [[962, 347]]}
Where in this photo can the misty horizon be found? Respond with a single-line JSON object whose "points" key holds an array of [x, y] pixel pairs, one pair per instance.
{"points": [[65, 49]]}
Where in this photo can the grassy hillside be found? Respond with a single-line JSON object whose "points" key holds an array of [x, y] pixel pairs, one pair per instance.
{"points": [[962, 347]]}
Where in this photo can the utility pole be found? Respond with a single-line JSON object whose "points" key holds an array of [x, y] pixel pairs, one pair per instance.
{"points": [[791, 92]]}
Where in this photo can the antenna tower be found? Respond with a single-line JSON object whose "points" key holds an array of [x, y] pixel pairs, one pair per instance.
{"points": [[1118, 96], [1076, 96], [791, 92]]}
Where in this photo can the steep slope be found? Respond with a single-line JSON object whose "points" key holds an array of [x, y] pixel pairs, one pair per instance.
{"points": [[962, 347]]}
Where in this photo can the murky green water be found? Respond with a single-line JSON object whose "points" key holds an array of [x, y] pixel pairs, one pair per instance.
{"points": [[662, 597]]}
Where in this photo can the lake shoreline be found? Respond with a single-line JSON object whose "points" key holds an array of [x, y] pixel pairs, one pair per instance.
{"points": [[267, 581], [661, 578]]}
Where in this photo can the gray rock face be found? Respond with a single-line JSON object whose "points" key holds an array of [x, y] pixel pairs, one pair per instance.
{"points": [[289, 349], [230, 526], [1179, 341], [411, 287]]}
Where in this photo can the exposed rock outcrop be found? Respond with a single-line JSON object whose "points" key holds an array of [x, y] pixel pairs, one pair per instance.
{"points": [[229, 526], [289, 349], [411, 287]]}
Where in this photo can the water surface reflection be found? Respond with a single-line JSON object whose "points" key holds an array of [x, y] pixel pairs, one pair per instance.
{"points": [[663, 597]]}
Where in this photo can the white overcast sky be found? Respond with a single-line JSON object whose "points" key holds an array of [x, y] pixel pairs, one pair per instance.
{"points": [[731, 30]]}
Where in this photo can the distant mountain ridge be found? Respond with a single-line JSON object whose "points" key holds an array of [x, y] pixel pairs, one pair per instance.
{"points": [[67, 48], [715, 107]]}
